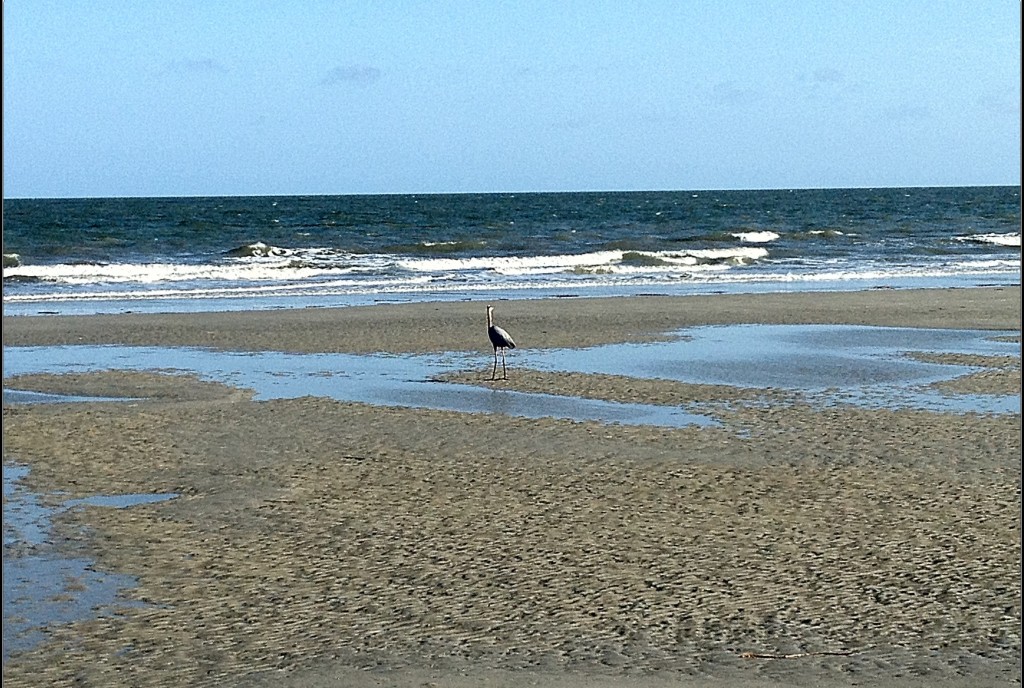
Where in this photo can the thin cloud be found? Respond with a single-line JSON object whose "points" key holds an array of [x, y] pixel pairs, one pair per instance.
{"points": [[360, 75]]}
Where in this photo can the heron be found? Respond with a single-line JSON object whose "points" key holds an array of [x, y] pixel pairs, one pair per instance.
{"points": [[500, 339]]}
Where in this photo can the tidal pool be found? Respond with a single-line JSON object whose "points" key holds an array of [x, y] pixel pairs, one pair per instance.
{"points": [[861, 365], [42, 585], [869, 366]]}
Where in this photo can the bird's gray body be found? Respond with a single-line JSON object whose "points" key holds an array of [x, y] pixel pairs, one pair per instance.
{"points": [[500, 339]]}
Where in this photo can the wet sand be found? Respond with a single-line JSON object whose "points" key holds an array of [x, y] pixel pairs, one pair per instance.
{"points": [[319, 543], [562, 322]]}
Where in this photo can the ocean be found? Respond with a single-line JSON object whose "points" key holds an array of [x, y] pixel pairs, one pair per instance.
{"points": [[109, 255]]}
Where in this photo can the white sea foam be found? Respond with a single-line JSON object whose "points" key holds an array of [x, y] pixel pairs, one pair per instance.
{"points": [[756, 237], [259, 249], [1008, 239], [207, 291], [659, 261], [509, 265], [316, 273], [149, 273], [739, 255], [261, 263], [537, 277], [338, 273]]}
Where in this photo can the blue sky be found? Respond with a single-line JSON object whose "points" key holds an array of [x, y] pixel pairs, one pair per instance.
{"points": [[167, 98]]}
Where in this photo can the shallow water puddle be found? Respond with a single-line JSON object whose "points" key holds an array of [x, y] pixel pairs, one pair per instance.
{"points": [[868, 366], [853, 364], [864, 365], [21, 396], [386, 380], [41, 586]]}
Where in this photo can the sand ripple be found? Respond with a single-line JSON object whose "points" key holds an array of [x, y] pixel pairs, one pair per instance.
{"points": [[314, 534]]}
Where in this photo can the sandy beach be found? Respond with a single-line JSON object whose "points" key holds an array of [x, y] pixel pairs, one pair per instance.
{"points": [[321, 543]]}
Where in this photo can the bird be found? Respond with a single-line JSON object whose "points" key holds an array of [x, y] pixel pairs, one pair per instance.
{"points": [[500, 339]]}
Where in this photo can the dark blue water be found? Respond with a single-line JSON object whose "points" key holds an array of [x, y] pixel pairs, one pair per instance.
{"points": [[250, 252]]}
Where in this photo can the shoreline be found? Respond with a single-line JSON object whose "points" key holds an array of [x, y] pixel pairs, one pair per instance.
{"points": [[549, 323], [320, 543]]}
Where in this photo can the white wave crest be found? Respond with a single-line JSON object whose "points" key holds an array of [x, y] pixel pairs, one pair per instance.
{"points": [[314, 264], [1008, 239], [150, 273], [626, 261], [259, 250], [756, 237], [509, 265], [738, 256], [621, 276]]}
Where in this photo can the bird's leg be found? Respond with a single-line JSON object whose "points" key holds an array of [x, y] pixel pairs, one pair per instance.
{"points": [[494, 370], [504, 372]]}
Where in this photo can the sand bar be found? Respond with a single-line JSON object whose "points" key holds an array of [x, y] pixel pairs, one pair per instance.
{"points": [[318, 543], [565, 322]]}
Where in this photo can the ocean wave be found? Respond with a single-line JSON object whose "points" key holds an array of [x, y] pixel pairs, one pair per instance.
{"points": [[578, 279], [258, 250], [149, 273], [436, 247], [320, 266], [1007, 239], [743, 255], [328, 272], [762, 237], [596, 260], [182, 249], [22, 279], [246, 290]]}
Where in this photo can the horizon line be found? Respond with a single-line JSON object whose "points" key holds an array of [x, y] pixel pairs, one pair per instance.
{"points": [[508, 193]]}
